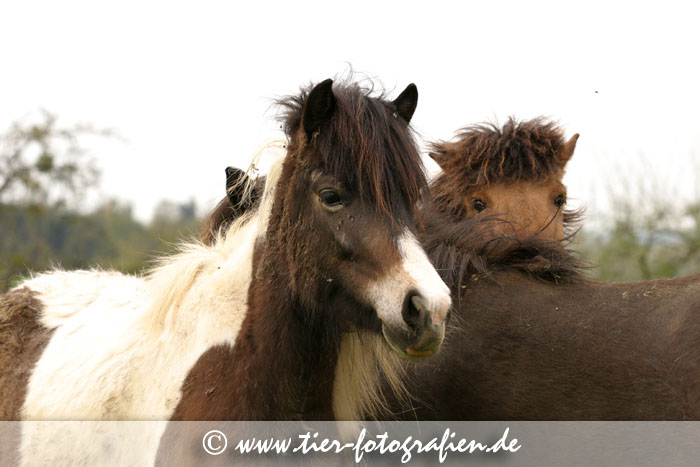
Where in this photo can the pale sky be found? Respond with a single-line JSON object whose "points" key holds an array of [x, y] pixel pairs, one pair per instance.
{"points": [[190, 85]]}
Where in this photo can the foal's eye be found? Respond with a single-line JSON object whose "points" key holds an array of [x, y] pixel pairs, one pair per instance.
{"points": [[331, 198], [560, 201], [479, 205]]}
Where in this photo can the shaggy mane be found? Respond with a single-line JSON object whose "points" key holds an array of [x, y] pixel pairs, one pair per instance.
{"points": [[519, 151], [461, 248], [364, 145], [172, 277]]}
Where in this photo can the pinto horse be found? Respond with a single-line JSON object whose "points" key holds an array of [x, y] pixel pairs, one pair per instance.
{"points": [[340, 255], [513, 173], [250, 327], [100, 345]]}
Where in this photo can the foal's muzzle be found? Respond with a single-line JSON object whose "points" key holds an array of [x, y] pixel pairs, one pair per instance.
{"points": [[424, 327]]}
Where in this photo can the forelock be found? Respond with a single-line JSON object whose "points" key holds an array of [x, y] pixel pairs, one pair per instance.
{"points": [[365, 145]]}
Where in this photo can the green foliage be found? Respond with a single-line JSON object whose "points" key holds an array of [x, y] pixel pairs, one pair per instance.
{"points": [[172, 221], [646, 241], [46, 163], [44, 169], [35, 238]]}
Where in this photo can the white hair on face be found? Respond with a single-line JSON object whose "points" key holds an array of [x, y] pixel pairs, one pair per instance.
{"points": [[122, 346], [414, 274], [363, 357]]}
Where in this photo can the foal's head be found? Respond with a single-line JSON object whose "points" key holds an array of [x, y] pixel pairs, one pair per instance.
{"points": [[512, 175], [343, 223]]}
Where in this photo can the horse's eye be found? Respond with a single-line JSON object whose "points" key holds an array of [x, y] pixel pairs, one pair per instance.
{"points": [[331, 199], [560, 201], [479, 205]]}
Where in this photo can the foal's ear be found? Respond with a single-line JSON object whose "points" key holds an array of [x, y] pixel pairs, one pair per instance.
{"points": [[568, 149], [235, 184], [406, 102], [318, 108]]}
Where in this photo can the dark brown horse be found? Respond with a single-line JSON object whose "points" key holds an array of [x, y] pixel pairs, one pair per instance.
{"points": [[533, 339]]}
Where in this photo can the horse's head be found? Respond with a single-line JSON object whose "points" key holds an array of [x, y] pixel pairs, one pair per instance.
{"points": [[344, 218], [511, 175]]}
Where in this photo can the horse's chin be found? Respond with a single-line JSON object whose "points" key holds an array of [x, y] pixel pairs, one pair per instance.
{"points": [[406, 350]]}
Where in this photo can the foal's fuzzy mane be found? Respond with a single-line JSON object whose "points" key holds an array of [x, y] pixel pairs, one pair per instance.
{"points": [[365, 146], [518, 151], [462, 248]]}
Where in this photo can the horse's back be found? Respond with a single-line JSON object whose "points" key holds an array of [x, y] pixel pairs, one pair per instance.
{"points": [[22, 340], [65, 294]]}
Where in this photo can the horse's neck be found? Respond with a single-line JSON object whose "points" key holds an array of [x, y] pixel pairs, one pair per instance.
{"points": [[276, 370], [292, 366]]}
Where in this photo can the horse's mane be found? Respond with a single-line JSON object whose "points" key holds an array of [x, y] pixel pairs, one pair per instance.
{"points": [[385, 168], [365, 146], [460, 248], [518, 151], [173, 276], [484, 153]]}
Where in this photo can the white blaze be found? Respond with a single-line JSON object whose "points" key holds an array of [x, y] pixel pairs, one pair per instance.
{"points": [[415, 273]]}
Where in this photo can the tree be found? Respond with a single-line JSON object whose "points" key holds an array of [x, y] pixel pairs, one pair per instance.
{"points": [[45, 163], [44, 170], [651, 233]]}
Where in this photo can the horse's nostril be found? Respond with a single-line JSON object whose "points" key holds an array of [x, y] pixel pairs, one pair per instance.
{"points": [[414, 312]]}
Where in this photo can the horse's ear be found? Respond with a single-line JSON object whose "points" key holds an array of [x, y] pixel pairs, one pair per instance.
{"points": [[318, 108], [437, 157], [235, 184], [406, 102], [568, 149]]}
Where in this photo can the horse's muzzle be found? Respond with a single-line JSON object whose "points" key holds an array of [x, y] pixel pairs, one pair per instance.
{"points": [[424, 330]]}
